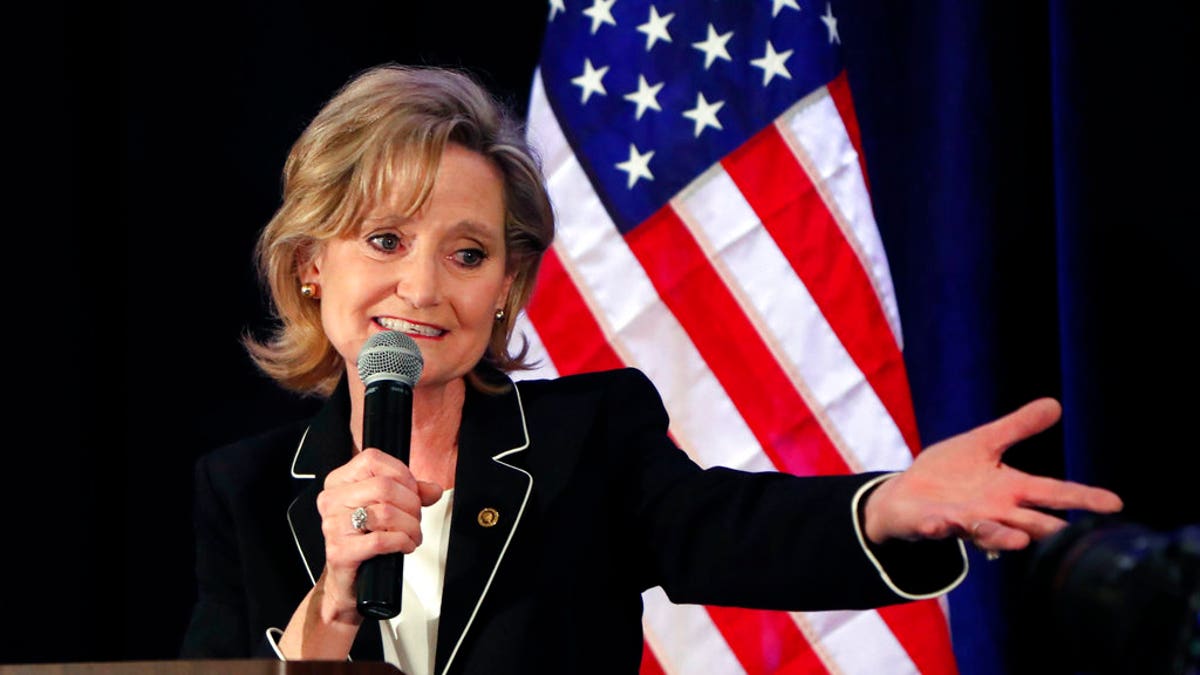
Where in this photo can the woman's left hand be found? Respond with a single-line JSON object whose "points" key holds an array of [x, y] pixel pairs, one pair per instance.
{"points": [[960, 487]]}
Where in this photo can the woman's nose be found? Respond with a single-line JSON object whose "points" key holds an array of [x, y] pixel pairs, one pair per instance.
{"points": [[419, 284]]}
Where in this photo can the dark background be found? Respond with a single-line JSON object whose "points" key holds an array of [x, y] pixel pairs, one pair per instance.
{"points": [[1032, 167]]}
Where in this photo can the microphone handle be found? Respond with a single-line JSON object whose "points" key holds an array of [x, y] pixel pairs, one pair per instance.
{"points": [[387, 425]]}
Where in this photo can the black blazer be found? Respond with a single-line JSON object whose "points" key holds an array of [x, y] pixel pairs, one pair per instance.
{"points": [[596, 504]]}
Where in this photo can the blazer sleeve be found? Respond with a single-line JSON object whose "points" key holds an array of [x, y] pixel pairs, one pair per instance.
{"points": [[218, 627], [768, 540]]}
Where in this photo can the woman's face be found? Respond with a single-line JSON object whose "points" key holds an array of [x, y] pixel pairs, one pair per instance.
{"points": [[438, 276]]}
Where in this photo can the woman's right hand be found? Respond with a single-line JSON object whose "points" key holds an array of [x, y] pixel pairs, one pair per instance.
{"points": [[392, 497], [325, 623]]}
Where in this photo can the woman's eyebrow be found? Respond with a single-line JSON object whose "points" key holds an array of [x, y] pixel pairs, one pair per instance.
{"points": [[476, 229]]}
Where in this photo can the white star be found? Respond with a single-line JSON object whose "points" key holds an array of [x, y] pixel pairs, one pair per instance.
{"points": [[655, 28], [831, 23], [601, 12], [637, 166], [780, 4], [590, 81], [704, 114], [556, 6], [645, 96], [713, 46], [772, 63]]}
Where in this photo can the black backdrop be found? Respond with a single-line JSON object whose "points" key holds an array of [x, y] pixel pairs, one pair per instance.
{"points": [[151, 139], [145, 142]]}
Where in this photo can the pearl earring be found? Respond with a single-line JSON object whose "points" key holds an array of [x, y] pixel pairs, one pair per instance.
{"points": [[308, 290], [500, 314]]}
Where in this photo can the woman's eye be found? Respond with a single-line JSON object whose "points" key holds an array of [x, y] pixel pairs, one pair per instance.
{"points": [[470, 257], [386, 241]]}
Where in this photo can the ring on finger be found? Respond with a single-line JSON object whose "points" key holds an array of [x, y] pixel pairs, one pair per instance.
{"points": [[989, 554], [358, 519]]}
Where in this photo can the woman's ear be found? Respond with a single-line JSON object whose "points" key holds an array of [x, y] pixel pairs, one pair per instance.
{"points": [[308, 264], [505, 289]]}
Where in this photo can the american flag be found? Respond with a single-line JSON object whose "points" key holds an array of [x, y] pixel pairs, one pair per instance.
{"points": [[715, 230]]}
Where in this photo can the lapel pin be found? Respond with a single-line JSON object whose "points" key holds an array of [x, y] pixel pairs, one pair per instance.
{"points": [[488, 517]]}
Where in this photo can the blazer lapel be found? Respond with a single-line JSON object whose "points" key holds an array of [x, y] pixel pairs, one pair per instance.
{"points": [[326, 445], [490, 496]]}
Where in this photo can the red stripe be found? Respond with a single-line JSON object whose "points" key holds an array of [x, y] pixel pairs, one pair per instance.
{"points": [[792, 210], [922, 630], [732, 347], [572, 337], [766, 642]]}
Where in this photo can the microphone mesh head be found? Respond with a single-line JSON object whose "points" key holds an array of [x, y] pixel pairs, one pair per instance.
{"points": [[390, 355]]}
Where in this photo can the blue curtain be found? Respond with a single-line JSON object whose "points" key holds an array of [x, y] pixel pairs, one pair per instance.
{"points": [[1032, 167]]}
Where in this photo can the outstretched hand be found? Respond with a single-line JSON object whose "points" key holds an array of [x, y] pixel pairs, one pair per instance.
{"points": [[960, 487]]}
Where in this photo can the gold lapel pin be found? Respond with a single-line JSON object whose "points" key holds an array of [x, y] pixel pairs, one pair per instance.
{"points": [[488, 517]]}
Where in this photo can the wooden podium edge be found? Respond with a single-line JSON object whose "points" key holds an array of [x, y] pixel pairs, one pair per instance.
{"points": [[204, 667]]}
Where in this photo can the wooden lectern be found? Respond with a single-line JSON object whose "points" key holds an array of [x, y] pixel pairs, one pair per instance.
{"points": [[212, 667]]}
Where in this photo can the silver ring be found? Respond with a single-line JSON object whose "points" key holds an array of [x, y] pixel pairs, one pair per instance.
{"points": [[358, 519], [992, 555]]}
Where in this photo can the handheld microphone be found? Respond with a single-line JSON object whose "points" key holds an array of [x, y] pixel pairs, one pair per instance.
{"points": [[389, 364]]}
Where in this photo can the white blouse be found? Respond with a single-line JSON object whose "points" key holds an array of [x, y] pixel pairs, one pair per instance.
{"points": [[410, 639]]}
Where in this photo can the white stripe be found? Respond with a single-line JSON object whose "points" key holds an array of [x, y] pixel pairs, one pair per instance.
{"points": [[814, 125], [537, 355], [775, 299], [684, 638], [633, 318], [860, 643]]}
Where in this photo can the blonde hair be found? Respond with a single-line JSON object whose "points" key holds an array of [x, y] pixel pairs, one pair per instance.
{"points": [[390, 123]]}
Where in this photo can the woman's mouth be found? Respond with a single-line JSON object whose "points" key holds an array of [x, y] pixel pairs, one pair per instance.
{"points": [[417, 329]]}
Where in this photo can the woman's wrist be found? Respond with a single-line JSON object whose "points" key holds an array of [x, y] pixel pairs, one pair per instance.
{"points": [[319, 629], [871, 518]]}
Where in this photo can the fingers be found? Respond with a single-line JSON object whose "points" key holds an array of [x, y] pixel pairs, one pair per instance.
{"points": [[391, 498], [379, 518], [353, 551], [429, 493], [387, 528], [1034, 523], [1063, 495], [373, 490], [388, 494], [990, 535], [368, 463], [1028, 420], [1016, 525]]}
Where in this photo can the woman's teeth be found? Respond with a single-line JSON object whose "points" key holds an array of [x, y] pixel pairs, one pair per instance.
{"points": [[412, 328]]}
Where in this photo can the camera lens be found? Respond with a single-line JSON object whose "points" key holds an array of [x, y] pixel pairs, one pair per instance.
{"points": [[1118, 597]]}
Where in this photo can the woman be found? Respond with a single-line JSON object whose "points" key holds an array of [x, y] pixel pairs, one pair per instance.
{"points": [[532, 515]]}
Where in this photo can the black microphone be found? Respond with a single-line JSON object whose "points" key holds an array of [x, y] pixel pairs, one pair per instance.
{"points": [[389, 364]]}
